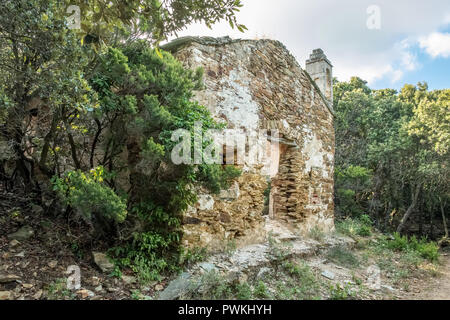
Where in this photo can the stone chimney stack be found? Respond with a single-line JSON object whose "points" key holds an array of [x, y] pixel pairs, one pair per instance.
{"points": [[321, 71]]}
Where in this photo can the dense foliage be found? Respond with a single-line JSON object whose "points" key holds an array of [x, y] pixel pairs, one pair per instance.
{"points": [[392, 157], [93, 120]]}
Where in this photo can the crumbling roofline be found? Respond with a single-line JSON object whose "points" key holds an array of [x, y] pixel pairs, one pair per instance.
{"points": [[182, 42]]}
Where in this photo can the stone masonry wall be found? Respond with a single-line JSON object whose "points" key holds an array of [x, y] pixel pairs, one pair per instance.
{"points": [[259, 85]]}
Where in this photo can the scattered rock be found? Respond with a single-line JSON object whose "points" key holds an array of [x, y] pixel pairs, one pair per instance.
{"points": [[111, 289], [262, 273], [22, 234], [177, 287], [14, 243], [243, 278], [6, 278], [99, 288], [128, 279], [389, 288], [208, 267], [103, 262], [85, 293], [95, 281], [38, 295], [159, 287], [20, 255], [52, 264], [27, 285], [328, 274], [6, 295]]}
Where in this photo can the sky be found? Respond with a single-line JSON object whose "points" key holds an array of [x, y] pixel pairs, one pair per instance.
{"points": [[385, 42]]}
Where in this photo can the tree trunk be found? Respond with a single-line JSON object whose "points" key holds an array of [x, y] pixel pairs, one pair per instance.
{"points": [[410, 210], [444, 220], [387, 217]]}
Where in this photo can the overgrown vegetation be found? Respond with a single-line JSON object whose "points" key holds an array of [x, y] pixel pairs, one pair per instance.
{"points": [[342, 256], [392, 156], [361, 226], [399, 257], [292, 282], [89, 114]]}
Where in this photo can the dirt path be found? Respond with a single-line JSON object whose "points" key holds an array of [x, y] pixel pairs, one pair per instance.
{"points": [[437, 288]]}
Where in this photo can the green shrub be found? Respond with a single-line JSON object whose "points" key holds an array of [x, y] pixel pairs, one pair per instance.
{"points": [[429, 250], [343, 256], [217, 178], [243, 291], [191, 256], [261, 291], [308, 285], [57, 290], [339, 292], [149, 255], [361, 226], [89, 195], [426, 249]]}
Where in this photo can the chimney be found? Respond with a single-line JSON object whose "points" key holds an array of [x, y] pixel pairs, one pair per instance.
{"points": [[321, 71]]}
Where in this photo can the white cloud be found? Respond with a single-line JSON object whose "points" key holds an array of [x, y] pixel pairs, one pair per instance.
{"points": [[340, 29], [447, 18], [436, 44], [407, 59]]}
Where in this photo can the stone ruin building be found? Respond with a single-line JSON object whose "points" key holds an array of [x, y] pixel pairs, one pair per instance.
{"points": [[258, 84]]}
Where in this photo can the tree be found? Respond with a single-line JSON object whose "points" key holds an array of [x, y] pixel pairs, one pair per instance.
{"points": [[41, 82], [154, 19], [46, 67], [431, 120], [398, 138], [92, 120]]}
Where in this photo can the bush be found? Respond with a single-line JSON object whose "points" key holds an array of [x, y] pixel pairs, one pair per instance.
{"points": [[339, 292], [261, 291], [150, 96], [426, 249], [343, 256], [90, 196], [361, 226]]}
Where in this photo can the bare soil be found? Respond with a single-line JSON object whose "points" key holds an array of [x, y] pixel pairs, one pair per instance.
{"points": [[437, 288]]}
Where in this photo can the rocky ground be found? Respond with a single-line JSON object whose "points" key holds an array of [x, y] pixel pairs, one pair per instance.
{"points": [[36, 251], [37, 254], [319, 267]]}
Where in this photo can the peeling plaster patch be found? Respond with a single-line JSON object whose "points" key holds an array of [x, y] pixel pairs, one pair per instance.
{"points": [[238, 105], [205, 202], [314, 152]]}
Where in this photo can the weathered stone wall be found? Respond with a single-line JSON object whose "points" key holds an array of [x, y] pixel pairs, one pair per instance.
{"points": [[259, 85]]}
